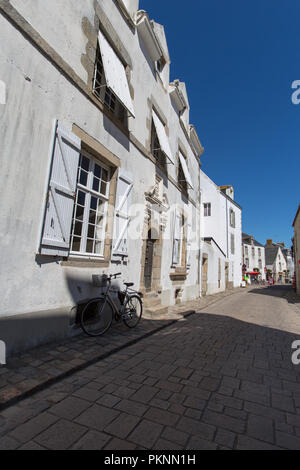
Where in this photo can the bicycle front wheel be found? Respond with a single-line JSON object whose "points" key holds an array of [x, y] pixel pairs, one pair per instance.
{"points": [[132, 311], [96, 317]]}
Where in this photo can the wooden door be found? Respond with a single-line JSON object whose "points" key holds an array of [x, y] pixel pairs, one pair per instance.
{"points": [[149, 262], [204, 275], [226, 275]]}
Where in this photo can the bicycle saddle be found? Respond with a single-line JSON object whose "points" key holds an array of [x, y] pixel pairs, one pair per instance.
{"points": [[129, 284]]}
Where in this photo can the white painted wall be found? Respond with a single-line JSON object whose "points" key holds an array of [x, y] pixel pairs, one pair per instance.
{"points": [[255, 253], [217, 226], [37, 95]]}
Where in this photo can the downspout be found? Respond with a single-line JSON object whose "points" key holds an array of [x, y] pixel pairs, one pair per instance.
{"points": [[200, 252], [227, 227]]}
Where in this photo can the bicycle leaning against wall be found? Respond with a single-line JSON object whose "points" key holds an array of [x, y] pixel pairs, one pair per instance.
{"points": [[97, 316]]}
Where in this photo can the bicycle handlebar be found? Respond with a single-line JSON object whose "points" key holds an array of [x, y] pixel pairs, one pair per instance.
{"points": [[114, 275]]}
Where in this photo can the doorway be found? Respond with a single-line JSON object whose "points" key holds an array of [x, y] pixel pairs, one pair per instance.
{"points": [[226, 275], [204, 275], [148, 269]]}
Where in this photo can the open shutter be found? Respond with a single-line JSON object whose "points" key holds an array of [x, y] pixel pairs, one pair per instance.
{"points": [[122, 218], [61, 194], [176, 238], [185, 170], [115, 74], [162, 137]]}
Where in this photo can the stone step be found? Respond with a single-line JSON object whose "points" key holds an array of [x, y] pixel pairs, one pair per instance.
{"points": [[151, 301], [151, 294], [156, 310]]}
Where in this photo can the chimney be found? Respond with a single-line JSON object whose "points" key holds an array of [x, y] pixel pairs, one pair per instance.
{"points": [[281, 244], [269, 242]]}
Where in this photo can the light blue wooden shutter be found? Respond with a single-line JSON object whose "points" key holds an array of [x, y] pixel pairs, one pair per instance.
{"points": [[61, 194], [122, 217]]}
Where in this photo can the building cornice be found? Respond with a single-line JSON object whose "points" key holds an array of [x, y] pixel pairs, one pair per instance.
{"points": [[146, 31]]}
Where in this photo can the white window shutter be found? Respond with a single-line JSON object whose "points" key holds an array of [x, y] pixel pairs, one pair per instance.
{"points": [[176, 238], [188, 244], [122, 217], [61, 194]]}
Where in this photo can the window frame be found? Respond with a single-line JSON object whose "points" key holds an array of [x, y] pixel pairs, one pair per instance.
{"points": [[207, 206], [156, 150], [106, 96], [232, 218], [89, 193]]}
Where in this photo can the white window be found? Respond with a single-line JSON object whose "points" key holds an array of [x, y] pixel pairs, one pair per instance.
{"points": [[207, 209], [246, 250], [253, 251], [110, 81], [178, 238], [232, 244], [247, 263], [90, 211], [162, 138], [183, 174], [260, 264], [232, 218]]}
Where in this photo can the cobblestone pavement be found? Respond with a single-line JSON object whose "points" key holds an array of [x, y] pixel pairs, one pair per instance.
{"points": [[219, 379], [35, 369]]}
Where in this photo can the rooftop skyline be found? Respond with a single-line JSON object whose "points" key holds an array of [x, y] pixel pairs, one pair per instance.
{"points": [[239, 60]]}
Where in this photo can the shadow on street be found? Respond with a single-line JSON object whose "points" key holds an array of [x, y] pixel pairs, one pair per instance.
{"points": [[278, 290]]}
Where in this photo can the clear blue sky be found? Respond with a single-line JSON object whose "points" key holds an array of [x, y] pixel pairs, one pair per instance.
{"points": [[239, 59]]}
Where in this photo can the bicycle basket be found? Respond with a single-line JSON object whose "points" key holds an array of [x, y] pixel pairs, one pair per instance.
{"points": [[121, 296], [100, 280]]}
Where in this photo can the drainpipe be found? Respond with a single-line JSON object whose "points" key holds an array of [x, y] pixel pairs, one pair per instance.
{"points": [[200, 252], [227, 227]]}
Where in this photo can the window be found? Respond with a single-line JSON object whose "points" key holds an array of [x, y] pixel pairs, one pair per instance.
{"points": [[105, 94], [156, 150], [184, 177], [90, 211], [260, 264], [160, 64], [207, 209], [232, 218], [246, 250], [259, 251], [181, 178], [232, 243], [178, 239], [253, 251], [247, 263]]}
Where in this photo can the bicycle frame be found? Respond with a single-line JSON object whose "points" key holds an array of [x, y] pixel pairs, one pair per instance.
{"points": [[107, 295]]}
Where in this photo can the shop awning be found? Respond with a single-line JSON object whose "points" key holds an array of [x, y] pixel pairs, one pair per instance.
{"points": [[185, 170], [162, 136], [115, 74], [253, 272]]}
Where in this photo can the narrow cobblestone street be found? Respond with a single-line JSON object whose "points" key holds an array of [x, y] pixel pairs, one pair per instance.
{"points": [[219, 379]]}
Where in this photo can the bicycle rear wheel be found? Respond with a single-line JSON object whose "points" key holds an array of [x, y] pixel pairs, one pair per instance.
{"points": [[96, 317], [132, 311]]}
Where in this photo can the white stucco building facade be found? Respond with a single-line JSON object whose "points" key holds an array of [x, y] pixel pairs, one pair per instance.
{"points": [[276, 262], [253, 257], [221, 229]]}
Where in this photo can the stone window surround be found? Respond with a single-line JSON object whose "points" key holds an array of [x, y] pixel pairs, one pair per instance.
{"points": [[179, 274], [102, 154], [183, 151]]}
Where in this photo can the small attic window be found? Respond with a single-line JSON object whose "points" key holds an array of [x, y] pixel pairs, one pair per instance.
{"points": [[160, 64]]}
